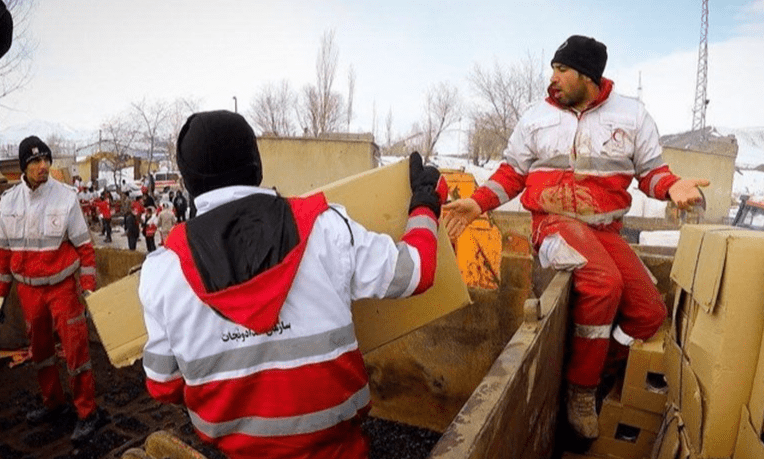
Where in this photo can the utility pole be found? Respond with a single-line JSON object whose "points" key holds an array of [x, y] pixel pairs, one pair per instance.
{"points": [[235, 105], [701, 82]]}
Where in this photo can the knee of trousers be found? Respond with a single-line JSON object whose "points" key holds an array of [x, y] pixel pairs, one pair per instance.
{"points": [[601, 292]]}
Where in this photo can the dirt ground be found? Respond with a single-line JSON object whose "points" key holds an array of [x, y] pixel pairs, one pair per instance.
{"points": [[134, 415]]}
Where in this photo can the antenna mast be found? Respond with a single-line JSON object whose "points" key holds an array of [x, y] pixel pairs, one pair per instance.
{"points": [[701, 99]]}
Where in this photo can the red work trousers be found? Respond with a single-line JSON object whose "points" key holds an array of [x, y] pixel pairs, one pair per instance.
{"points": [[58, 307], [612, 288]]}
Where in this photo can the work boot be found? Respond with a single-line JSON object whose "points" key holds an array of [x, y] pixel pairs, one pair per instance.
{"points": [[582, 411], [85, 428], [45, 414]]}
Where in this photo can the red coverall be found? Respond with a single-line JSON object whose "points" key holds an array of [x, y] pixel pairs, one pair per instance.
{"points": [[44, 242]]}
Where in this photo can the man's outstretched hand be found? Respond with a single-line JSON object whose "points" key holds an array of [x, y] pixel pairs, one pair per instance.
{"points": [[460, 214], [685, 193]]}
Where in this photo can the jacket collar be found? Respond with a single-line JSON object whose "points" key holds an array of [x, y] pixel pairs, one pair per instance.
{"points": [[219, 196], [606, 87]]}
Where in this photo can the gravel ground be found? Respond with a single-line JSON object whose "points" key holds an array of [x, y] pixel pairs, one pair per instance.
{"points": [[134, 415]]}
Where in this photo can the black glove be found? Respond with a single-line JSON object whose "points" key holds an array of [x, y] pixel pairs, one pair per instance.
{"points": [[424, 181]]}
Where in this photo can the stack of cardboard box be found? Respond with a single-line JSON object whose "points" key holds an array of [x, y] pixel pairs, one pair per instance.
{"points": [[713, 345], [632, 413]]}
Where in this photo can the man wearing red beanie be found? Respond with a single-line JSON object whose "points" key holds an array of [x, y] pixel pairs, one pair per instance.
{"points": [[573, 156]]}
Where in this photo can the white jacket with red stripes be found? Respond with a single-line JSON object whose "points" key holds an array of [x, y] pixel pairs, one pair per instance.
{"points": [[286, 389], [581, 164], [44, 237]]}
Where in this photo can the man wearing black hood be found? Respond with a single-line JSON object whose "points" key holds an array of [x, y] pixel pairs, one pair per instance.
{"points": [[247, 306]]}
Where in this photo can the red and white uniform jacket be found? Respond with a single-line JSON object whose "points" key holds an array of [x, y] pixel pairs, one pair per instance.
{"points": [[43, 237], [580, 164], [249, 320]]}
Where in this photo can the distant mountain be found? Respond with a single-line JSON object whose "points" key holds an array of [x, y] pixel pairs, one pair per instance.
{"points": [[750, 143], [43, 129]]}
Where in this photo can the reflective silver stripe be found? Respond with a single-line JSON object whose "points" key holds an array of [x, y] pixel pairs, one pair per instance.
{"points": [[604, 166], [43, 243], [79, 239], [49, 280], [555, 162], [598, 219], [620, 336], [6, 278], [87, 366], [74, 320], [291, 425], [654, 182], [593, 331], [47, 362], [404, 272], [497, 190], [650, 165], [160, 364], [88, 271], [269, 351], [423, 222]]}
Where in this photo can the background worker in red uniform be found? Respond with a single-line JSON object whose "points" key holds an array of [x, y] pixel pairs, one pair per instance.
{"points": [[103, 204], [44, 242], [575, 155], [247, 306]]}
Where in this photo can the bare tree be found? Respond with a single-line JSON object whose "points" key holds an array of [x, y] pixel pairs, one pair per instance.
{"points": [[271, 110], [351, 94], [119, 135], [389, 126], [503, 94], [153, 118], [60, 147], [321, 109], [442, 110], [179, 111], [16, 65]]}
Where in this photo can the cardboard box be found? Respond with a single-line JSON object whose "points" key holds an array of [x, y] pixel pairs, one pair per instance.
{"points": [[672, 441], [716, 332], [625, 432], [643, 367], [379, 200], [749, 443], [756, 402]]}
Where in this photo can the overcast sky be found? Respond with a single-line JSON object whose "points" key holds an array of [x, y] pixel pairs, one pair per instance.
{"points": [[95, 57]]}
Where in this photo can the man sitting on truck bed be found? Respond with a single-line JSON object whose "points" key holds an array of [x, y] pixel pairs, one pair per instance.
{"points": [[575, 154]]}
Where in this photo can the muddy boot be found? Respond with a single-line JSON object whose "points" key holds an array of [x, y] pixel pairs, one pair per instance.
{"points": [[582, 411], [46, 415], [85, 428]]}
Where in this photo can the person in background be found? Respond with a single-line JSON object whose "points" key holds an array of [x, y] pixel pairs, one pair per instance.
{"points": [[44, 244], [573, 156], [149, 225], [180, 203], [132, 227], [247, 306], [165, 221], [103, 204]]}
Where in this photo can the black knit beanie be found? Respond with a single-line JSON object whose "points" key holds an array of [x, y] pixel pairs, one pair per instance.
{"points": [[6, 29], [584, 54], [31, 148], [218, 149]]}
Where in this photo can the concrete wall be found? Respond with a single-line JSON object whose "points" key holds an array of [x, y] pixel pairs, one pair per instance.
{"points": [[296, 165], [714, 161]]}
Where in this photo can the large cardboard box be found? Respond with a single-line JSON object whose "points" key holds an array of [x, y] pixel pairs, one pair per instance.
{"points": [[379, 200], [749, 442], [716, 332], [644, 368], [625, 432]]}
